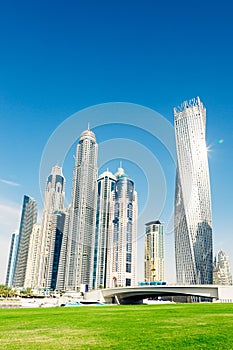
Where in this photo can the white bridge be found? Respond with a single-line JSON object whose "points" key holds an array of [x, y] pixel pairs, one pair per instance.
{"points": [[127, 295]]}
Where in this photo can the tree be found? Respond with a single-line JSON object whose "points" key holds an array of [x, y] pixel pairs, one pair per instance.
{"points": [[27, 292], [6, 292]]}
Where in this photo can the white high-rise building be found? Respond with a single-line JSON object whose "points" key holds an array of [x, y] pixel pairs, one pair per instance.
{"points": [[83, 213], [53, 202], [54, 191], [106, 187], [28, 219], [193, 221], [33, 260], [122, 240], [154, 252], [222, 269]]}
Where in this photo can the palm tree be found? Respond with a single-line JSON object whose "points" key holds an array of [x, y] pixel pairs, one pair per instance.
{"points": [[6, 291], [27, 292]]}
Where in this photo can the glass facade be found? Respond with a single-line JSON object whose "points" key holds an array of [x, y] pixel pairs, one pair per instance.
{"points": [[28, 219], [59, 223], [12, 259]]}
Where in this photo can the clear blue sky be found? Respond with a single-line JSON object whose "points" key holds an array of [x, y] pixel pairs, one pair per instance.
{"points": [[60, 57]]}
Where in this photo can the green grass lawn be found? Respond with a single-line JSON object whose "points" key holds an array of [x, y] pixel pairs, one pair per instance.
{"points": [[176, 326]]}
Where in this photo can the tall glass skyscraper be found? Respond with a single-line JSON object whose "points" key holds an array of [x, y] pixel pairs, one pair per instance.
{"points": [[12, 258], [106, 187], [122, 240], [193, 221], [83, 213], [28, 219]]}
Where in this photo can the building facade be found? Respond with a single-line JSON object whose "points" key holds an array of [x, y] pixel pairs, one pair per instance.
{"points": [[193, 220], [28, 219], [83, 213], [57, 229], [222, 269], [122, 240], [53, 202], [154, 252], [106, 186], [12, 259], [33, 260], [62, 273]]}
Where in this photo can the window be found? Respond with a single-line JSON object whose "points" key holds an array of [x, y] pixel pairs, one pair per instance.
{"points": [[128, 267], [128, 257], [128, 282]]}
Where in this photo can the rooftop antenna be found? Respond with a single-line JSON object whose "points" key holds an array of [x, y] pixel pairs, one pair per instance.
{"points": [[88, 126], [120, 163]]}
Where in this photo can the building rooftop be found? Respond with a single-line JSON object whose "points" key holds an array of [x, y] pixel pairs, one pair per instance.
{"points": [[87, 134], [157, 222], [194, 102]]}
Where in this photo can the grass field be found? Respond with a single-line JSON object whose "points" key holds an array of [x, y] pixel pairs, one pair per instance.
{"points": [[175, 326]]}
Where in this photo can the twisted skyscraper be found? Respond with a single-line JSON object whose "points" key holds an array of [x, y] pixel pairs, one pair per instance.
{"points": [[193, 222]]}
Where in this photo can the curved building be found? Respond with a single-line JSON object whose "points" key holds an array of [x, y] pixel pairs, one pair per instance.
{"points": [[193, 222]]}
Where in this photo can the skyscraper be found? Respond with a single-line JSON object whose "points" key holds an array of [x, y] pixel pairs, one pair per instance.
{"points": [[53, 203], [222, 269], [12, 259], [193, 222], [62, 274], [56, 230], [154, 252], [106, 186], [28, 219], [33, 260], [122, 240], [83, 213]]}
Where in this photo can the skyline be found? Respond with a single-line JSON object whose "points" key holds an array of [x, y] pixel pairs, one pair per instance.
{"points": [[80, 57], [171, 273]]}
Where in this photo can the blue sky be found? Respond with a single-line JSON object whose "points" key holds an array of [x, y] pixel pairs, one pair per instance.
{"points": [[60, 57]]}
